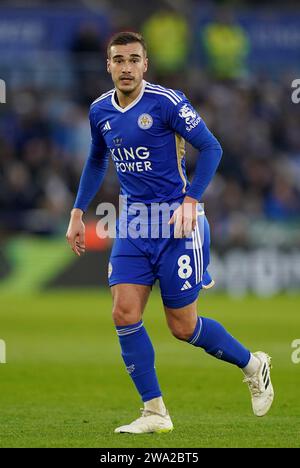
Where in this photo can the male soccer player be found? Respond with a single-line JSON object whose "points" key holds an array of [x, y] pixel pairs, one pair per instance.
{"points": [[143, 126]]}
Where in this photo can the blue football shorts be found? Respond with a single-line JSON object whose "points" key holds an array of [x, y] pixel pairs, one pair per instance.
{"points": [[179, 264]]}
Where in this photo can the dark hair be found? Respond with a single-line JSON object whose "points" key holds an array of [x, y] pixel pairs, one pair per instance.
{"points": [[126, 37]]}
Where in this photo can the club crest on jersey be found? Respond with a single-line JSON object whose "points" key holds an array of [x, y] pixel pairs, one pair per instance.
{"points": [[190, 116], [130, 368], [145, 121]]}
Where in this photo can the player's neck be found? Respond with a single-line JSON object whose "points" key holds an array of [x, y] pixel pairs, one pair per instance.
{"points": [[125, 100]]}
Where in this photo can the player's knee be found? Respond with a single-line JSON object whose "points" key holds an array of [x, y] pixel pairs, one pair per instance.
{"points": [[181, 332], [124, 315]]}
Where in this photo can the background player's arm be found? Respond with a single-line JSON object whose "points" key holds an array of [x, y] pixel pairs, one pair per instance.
{"points": [[209, 156], [90, 182]]}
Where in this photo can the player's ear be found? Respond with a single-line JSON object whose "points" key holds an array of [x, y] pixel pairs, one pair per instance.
{"points": [[108, 65], [145, 64]]}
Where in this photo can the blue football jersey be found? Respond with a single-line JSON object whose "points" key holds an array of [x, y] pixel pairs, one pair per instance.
{"points": [[146, 141]]}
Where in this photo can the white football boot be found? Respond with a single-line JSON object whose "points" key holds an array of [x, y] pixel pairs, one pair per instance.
{"points": [[260, 385], [148, 422]]}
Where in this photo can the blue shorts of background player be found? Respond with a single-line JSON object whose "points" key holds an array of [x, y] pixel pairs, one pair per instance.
{"points": [[179, 264]]}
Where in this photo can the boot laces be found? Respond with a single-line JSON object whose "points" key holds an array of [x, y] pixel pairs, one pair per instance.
{"points": [[253, 384]]}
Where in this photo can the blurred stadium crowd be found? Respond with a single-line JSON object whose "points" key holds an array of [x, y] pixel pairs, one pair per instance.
{"points": [[44, 139]]}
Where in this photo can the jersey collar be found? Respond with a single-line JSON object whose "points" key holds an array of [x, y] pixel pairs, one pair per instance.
{"points": [[130, 106]]}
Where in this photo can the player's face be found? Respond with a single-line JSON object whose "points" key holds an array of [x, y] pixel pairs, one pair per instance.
{"points": [[127, 65]]}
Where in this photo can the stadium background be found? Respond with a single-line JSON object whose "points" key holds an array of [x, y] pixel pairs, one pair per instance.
{"points": [[236, 62]]}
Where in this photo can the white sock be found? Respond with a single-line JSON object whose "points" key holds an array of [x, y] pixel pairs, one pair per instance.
{"points": [[252, 366], [157, 405]]}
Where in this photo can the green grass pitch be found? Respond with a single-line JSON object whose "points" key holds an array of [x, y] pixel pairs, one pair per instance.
{"points": [[64, 383]]}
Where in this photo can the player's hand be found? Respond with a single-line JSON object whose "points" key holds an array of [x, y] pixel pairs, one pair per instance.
{"points": [[76, 232], [184, 218]]}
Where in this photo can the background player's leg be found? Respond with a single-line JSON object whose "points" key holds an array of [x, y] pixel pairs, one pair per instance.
{"points": [[129, 301]]}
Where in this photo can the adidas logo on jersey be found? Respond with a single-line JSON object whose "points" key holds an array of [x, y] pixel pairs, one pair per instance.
{"points": [[187, 285], [106, 127]]}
